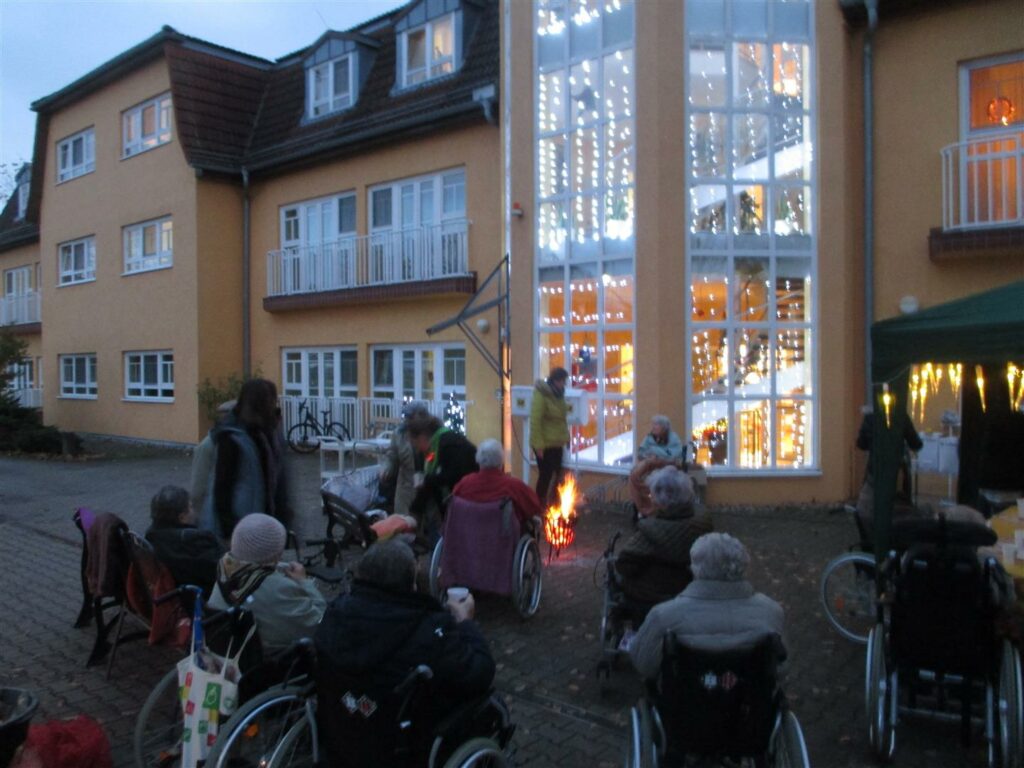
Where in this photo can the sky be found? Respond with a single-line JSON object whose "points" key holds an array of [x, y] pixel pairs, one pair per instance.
{"points": [[47, 44]]}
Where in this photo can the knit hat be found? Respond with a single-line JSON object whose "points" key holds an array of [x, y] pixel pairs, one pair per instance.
{"points": [[258, 538], [390, 564]]}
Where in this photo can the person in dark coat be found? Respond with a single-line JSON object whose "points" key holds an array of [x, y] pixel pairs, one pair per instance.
{"points": [[866, 497], [189, 553], [447, 457], [367, 644], [654, 564]]}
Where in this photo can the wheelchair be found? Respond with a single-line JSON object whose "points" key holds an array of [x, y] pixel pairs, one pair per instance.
{"points": [[935, 650], [715, 705], [281, 727], [460, 559]]}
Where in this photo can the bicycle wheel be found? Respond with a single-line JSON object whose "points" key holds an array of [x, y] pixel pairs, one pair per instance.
{"points": [[479, 752], [338, 430], [297, 748], [251, 737], [303, 438], [848, 595], [157, 739]]}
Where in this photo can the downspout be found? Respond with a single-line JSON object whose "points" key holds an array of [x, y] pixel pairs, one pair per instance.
{"points": [[505, 331], [246, 273], [871, 6]]}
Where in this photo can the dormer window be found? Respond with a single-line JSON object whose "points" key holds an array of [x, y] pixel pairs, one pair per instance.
{"points": [[428, 51], [331, 86], [22, 200]]}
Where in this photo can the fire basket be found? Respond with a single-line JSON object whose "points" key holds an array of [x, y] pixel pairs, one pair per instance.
{"points": [[560, 520]]}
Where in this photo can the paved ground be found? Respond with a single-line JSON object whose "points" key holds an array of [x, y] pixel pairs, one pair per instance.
{"points": [[546, 666]]}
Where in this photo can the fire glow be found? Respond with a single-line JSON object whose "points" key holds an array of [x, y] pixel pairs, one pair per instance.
{"points": [[560, 520]]}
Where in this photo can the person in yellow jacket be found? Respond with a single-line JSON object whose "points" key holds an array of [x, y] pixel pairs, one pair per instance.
{"points": [[549, 431]]}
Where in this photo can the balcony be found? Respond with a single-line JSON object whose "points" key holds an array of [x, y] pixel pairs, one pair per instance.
{"points": [[29, 397], [407, 262], [360, 415], [21, 310], [982, 198]]}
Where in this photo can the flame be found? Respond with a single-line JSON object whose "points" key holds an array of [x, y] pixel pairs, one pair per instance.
{"points": [[560, 520]]}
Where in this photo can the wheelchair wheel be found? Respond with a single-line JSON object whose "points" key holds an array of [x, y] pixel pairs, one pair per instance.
{"points": [[527, 577], [1009, 708], [788, 748], [479, 753], [879, 697], [251, 736], [848, 595], [641, 751], [157, 739], [297, 748], [434, 572]]}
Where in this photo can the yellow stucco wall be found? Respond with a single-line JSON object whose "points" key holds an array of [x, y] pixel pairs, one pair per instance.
{"points": [[399, 321], [115, 313], [916, 103]]}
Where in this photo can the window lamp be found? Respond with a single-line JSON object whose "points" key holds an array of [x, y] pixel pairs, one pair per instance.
{"points": [[428, 51]]}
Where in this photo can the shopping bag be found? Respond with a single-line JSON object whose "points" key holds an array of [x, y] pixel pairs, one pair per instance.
{"points": [[208, 686]]}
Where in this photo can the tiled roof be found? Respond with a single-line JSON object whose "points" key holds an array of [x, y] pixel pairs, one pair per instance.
{"points": [[16, 232], [234, 110]]}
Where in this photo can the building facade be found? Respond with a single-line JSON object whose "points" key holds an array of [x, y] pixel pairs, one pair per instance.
{"points": [[695, 235]]}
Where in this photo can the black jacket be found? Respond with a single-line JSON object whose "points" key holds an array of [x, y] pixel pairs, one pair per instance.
{"points": [[190, 554], [456, 458], [367, 643]]}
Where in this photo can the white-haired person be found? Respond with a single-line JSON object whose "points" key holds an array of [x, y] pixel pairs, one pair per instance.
{"points": [[660, 448], [491, 483], [285, 604], [719, 609], [654, 563]]}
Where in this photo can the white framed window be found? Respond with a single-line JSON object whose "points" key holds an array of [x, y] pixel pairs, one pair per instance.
{"points": [[146, 126], [992, 95], [76, 155], [23, 190], [78, 376], [313, 222], [22, 374], [148, 246], [418, 372], [17, 281], [418, 202], [320, 372], [77, 261], [427, 51], [149, 376], [751, 247], [331, 86]]}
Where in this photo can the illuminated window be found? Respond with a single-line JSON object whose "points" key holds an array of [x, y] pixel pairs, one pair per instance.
{"points": [[751, 244], [146, 126], [427, 51], [585, 283]]}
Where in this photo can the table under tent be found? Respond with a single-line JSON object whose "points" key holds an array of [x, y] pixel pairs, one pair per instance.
{"points": [[979, 341]]}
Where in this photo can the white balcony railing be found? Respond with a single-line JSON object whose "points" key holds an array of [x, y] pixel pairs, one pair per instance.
{"points": [[30, 397], [983, 182], [398, 256], [359, 414], [20, 308]]}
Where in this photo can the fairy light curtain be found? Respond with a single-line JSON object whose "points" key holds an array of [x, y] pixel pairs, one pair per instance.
{"points": [[585, 287], [751, 244]]}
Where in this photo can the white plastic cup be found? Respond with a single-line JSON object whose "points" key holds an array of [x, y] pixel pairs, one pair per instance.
{"points": [[1020, 508], [457, 594], [1009, 552]]}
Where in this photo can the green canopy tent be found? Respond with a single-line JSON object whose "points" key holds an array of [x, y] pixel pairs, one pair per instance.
{"points": [[985, 329]]}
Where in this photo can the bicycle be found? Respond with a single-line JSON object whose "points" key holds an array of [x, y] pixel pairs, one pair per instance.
{"points": [[848, 592], [304, 437]]}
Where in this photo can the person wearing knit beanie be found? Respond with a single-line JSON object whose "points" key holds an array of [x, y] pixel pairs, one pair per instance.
{"points": [[258, 538]]}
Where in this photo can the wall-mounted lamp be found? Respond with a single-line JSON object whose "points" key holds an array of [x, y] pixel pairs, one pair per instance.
{"points": [[483, 325], [517, 210]]}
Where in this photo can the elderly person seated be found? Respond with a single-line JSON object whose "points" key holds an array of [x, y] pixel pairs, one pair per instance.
{"points": [[719, 609], [285, 604], [654, 563], [492, 484], [189, 553], [369, 641], [661, 448]]}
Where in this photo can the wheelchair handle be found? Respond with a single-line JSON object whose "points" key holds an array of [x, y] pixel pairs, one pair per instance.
{"points": [[421, 672], [178, 592]]}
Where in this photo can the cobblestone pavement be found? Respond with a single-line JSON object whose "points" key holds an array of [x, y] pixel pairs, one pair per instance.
{"points": [[566, 716]]}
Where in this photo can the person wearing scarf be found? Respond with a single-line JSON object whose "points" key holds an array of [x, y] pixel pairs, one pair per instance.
{"points": [[249, 471], [447, 457], [285, 604]]}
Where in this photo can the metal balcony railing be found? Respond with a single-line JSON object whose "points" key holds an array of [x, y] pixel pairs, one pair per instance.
{"points": [[382, 258], [983, 182], [30, 397], [20, 308], [359, 414]]}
